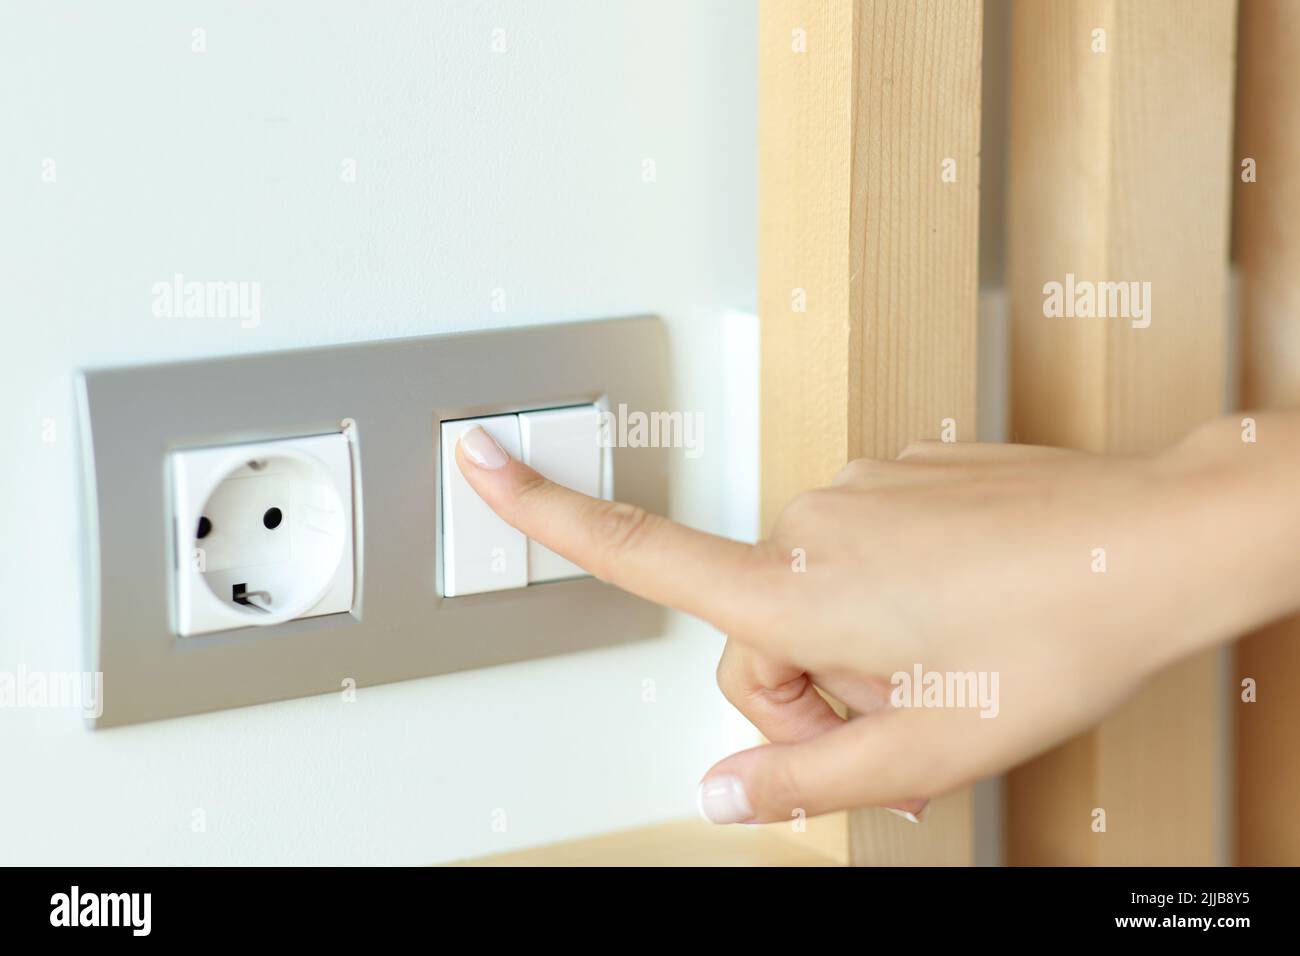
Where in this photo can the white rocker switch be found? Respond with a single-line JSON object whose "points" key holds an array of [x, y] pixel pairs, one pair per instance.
{"points": [[563, 444], [480, 552]]}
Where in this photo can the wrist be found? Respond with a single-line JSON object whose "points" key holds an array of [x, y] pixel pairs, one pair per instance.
{"points": [[1237, 524]]}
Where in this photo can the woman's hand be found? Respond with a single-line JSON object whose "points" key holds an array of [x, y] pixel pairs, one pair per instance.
{"points": [[1037, 587]]}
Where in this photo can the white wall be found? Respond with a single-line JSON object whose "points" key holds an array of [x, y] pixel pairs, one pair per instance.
{"points": [[476, 170]]}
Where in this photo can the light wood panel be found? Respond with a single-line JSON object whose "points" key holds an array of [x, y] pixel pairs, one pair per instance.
{"points": [[1267, 243], [860, 105], [1119, 171], [684, 843]]}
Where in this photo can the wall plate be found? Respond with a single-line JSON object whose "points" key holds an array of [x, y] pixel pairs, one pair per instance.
{"points": [[394, 395]]}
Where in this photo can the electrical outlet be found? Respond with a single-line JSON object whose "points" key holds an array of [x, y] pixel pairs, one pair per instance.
{"points": [[172, 619], [263, 533]]}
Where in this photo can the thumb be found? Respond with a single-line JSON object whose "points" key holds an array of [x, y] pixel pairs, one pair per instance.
{"points": [[889, 758]]}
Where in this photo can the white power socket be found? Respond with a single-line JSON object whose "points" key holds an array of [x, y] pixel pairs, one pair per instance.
{"points": [[263, 532]]}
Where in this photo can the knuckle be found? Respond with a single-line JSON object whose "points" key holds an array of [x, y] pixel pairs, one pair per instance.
{"points": [[855, 471], [863, 471], [801, 507], [527, 493], [530, 485], [747, 693], [786, 693], [619, 528], [778, 790], [730, 686], [809, 509], [725, 674], [921, 448]]}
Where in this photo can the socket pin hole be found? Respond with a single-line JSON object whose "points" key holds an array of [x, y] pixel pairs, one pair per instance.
{"points": [[272, 518], [240, 594], [205, 526]]}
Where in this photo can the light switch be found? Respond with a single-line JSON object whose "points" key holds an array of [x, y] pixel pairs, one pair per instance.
{"points": [[563, 444], [480, 552]]}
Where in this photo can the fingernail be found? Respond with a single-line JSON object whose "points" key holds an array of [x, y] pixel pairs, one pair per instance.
{"points": [[722, 800], [483, 449], [917, 817]]}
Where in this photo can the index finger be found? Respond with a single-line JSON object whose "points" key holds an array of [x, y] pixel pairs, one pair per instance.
{"points": [[713, 578]]}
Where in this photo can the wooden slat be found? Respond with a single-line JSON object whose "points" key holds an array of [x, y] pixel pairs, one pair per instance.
{"points": [[1267, 242], [682, 843], [1118, 170], [853, 211]]}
